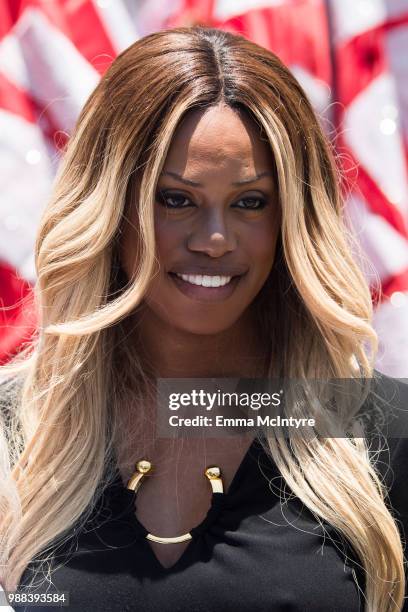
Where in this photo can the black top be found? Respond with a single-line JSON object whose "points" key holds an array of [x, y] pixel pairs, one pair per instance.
{"points": [[249, 554]]}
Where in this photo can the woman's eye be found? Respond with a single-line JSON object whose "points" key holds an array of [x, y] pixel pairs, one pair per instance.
{"points": [[179, 200], [173, 200], [253, 203]]}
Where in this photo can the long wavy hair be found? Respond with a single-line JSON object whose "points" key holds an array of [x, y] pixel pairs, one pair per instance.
{"points": [[79, 370]]}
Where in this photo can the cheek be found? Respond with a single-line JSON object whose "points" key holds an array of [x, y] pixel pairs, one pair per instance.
{"points": [[169, 238], [262, 249]]}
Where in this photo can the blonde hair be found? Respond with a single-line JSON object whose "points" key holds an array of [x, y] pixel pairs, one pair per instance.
{"points": [[61, 438]]}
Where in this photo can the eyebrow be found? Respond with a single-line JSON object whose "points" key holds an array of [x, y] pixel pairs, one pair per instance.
{"points": [[251, 179]]}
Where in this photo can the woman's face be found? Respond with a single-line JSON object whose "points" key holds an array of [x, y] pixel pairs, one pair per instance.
{"points": [[217, 221]]}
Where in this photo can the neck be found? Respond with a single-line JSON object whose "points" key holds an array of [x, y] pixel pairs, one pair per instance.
{"points": [[170, 352]]}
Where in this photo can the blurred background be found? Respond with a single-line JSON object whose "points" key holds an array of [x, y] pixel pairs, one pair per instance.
{"points": [[351, 56]]}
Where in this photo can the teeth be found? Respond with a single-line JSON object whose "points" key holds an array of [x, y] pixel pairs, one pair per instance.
{"points": [[205, 280]]}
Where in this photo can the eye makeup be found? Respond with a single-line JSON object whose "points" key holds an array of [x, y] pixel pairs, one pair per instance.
{"points": [[178, 200]]}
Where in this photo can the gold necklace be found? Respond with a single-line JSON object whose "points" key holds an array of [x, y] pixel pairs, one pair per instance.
{"points": [[144, 468]]}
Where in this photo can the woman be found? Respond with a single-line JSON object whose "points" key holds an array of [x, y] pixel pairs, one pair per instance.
{"points": [[195, 231]]}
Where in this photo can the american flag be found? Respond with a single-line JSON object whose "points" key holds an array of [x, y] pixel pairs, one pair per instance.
{"points": [[351, 56]]}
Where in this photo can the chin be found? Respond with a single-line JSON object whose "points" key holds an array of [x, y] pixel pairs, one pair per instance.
{"points": [[204, 326]]}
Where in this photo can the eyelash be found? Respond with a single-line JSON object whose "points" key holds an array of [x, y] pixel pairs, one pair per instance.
{"points": [[163, 195]]}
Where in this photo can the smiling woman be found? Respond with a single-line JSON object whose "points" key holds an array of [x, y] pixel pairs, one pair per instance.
{"points": [[217, 221], [196, 231]]}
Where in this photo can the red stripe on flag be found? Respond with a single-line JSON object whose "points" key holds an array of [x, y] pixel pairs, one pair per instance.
{"points": [[6, 17], [398, 282], [396, 22], [363, 58], [87, 33], [79, 21], [20, 103], [297, 33], [379, 204], [18, 319], [357, 178], [15, 100]]}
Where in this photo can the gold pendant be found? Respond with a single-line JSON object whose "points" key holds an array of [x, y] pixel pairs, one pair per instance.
{"points": [[144, 467]]}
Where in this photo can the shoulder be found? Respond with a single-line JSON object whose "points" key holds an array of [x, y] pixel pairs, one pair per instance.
{"points": [[386, 406], [389, 446]]}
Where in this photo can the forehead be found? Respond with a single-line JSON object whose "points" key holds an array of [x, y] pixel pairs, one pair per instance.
{"points": [[219, 136]]}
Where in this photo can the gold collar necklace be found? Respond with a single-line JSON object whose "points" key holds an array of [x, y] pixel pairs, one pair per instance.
{"points": [[144, 468]]}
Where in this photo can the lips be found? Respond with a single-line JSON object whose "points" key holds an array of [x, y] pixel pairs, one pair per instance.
{"points": [[237, 270]]}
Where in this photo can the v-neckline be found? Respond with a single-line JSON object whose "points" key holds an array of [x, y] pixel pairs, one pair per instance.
{"points": [[218, 500]]}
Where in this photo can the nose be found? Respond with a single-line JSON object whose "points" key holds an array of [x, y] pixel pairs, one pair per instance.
{"points": [[212, 235]]}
